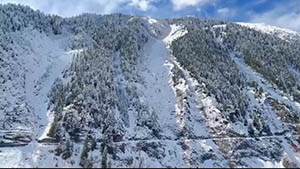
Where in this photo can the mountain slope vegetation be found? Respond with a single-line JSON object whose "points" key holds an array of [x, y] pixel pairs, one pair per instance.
{"points": [[127, 91]]}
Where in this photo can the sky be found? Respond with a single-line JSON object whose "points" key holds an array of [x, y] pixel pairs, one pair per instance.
{"points": [[281, 13]]}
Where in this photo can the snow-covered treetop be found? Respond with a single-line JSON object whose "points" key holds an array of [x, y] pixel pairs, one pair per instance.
{"points": [[282, 33]]}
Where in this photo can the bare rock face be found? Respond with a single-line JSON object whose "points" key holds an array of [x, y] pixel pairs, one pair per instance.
{"points": [[126, 91]]}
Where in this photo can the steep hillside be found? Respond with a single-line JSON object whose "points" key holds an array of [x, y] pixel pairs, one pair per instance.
{"points": [[127, 91]]}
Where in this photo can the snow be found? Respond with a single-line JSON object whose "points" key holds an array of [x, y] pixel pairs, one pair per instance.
{"points": [[158, 92], [273, 91], [219, 26], [198, 119], [44, 59], [282, 33], [44, 62], [274, 122], [259, 163], [55, 71], [10, 158], [290, 152], [211, 111], [266, 28], [152, 21], [120, 81], [177, 31], [156, 72], [45, 157], [50, 117], [269, 164]]}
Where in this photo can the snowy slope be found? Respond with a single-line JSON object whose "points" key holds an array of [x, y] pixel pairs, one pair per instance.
{"points": [[274, 121], [129, 100], [43, 59], [160, 93], [282, 33], [269, 91]]}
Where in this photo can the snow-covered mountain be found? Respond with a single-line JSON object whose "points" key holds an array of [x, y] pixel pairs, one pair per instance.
{"points": [[282, 33], [127, 91]]}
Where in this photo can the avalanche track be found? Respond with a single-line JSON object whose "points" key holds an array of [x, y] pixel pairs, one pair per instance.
{"points": [[158, 92], [46, 62], [162, 96]]}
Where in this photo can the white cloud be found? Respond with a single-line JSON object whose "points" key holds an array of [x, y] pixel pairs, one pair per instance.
{"points": [[289, 20], [75, 7], [143, 5], [258, 2], [281, 16], [226, 12], [181, 4]]}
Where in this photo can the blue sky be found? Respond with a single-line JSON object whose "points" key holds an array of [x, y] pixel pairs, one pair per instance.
{"points": [[282, 13]]}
